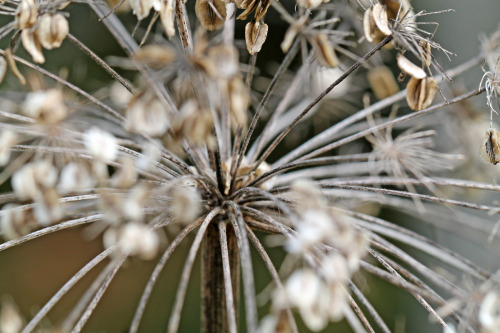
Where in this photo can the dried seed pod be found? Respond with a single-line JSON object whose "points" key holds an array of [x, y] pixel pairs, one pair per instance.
{"points": [[490, 147], [382, 82], [393, 7], [410, 68], [255, 35], [155, 56], [309, 4], [52, 29], [26, 14], [324, 51], [146, 114], [372, 32], [420, 92], [292, 31], [167, 17], [32, 45], [381, 20], [13, 67], [425, 53], [46, 107], [211, 13], [141, 8]]}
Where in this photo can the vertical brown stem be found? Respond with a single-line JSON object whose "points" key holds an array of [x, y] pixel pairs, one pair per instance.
{"points": [[214, 314]]}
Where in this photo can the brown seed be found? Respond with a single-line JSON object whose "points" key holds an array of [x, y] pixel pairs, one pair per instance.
{"points": [[292, 31], [52, 29], [410, 68], [425, 53], [255, 35], [211, 13], [324, 51], [490, 147], [382, 82], [420, 92]]}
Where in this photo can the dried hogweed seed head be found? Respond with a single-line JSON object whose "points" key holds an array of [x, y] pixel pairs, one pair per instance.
{"points": [[490, 147], [46, 107], [420, 92], [26, 14], [410, 68], [323, 49], [382, 82], [255, 35], [211, 13], [52, 30], [32, 45]]}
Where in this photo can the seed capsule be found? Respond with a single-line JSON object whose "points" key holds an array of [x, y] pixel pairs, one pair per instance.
{"points": [[490, 147], [382, 82], [26, 14], [255, 35], [420, 92], [211, 15], [410, 68], [52, 30], [32, 45], [324, 51]]}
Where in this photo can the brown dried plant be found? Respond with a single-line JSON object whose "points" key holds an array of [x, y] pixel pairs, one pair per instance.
{"points": [[202, 148]]}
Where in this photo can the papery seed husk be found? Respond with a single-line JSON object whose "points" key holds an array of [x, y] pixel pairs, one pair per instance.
{"points": [[155, 56], [323, 49], [372, 32], [26, 15], [382, 82], [393, 8], [32, 45], [420, 92], [52, 30], [490, 147], [167, 17], [141, 8], [255, 36], [291, 32], [208, 17], [410, 68], [380, 17], [426, 54]]}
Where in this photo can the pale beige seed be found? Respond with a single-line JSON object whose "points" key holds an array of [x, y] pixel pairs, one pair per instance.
{"points": [[372, 32], [420, 92], [309, 4], [323, 49], [13, 67], [155, 56], [167, 17], [26, 14], [255, 36], [292, 32], [211, 13], [410, 68], [52, 30], [382, 82], [32, 45], [490, 147], [381, 20], [3, 68]]}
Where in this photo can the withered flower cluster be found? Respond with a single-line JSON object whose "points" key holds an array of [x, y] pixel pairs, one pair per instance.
{"points": [[202, 148]]}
